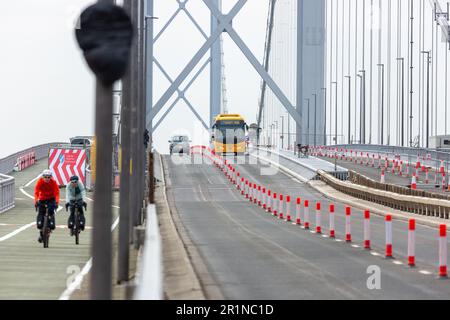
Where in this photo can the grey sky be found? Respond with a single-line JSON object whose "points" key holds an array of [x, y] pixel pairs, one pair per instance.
{"points": [[48, 92]]}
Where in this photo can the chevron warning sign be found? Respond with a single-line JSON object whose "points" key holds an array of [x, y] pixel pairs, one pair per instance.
{"points": [[65, 163]]}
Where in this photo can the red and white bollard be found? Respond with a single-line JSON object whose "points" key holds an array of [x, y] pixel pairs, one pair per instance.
{"points": [[238, 181], [367, 229], [388, 236], [264, 198], [242, 186], [297, 212], [269, 197], [426, 176], [306, 214], [318, 218], [332, 232], [280, 207], [255, 193], [443, 181], [275, 204], [411, 242], [246, 189], [413, 182], [382, 179], [348, 229], [259, 196], [288, 208], [443, 251]]}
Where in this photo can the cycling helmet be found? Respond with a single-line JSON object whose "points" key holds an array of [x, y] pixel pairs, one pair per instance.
{"points": [[74, 178], [46, 173]]}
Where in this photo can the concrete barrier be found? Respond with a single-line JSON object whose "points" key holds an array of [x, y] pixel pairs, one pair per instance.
{"points": [[149, 278]]}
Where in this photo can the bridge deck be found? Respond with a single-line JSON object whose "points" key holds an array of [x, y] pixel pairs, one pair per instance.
{"points": [[27, 270]]}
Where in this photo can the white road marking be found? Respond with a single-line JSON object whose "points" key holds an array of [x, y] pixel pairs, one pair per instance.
{"points": [[425, 272], [79, 278], [12, 234], [355, 246], [325, 236], [29, 183], [338, 240], [374, 253], [397, 262]]}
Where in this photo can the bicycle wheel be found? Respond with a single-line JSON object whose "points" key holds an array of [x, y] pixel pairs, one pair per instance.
{"points": [[76, 229], [45, 232]]}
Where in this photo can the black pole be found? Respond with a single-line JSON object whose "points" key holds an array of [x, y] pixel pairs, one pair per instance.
{"points": [[307, 127]]}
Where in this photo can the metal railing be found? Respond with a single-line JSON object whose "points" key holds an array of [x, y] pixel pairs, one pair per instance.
{"points": [[7, 193], [41, 151], [407, 203]]}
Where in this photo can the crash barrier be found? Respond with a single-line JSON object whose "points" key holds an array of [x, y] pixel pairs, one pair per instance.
{"points": [[149, 278], [402, 161], [41, 151], [431, 206], [340, 174], [25, 161], [278, 208], [362, 180], [7, 193]]}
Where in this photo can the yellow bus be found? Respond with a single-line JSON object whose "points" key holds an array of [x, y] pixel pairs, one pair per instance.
{"points": [[228, 134]]}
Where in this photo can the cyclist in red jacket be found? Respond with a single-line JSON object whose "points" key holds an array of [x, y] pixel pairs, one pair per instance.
{"points": [[46, 192]]}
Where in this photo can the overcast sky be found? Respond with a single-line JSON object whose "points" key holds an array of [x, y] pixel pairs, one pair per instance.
{"points": [[48, 93]]}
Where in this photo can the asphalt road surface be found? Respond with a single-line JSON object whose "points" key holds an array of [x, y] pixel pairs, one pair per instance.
{"points": [[253, 255]]}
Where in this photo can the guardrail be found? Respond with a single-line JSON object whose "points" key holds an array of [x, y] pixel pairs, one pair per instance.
{"points": [[357, 178], [41, 151], [408, 203], [340, 174], [149, 277], [7, 193]]}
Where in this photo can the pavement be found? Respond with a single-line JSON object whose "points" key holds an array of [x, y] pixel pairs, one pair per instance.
{"points": [[27, 270], [252, 255]]}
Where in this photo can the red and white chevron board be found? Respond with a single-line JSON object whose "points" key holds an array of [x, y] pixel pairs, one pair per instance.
{"points": [[65, 163]]}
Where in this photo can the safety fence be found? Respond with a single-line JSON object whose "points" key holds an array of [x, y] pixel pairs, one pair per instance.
{"points": [[7, 193], [301, 212], [408, 203], [357, 178], [41, 151]]}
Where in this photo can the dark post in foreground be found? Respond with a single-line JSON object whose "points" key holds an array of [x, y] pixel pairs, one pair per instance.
{"points": [[104, 35]]}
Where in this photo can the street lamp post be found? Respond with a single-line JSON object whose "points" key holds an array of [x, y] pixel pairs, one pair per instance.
{"points": [[403, 103], [315, 118], [382, 103], [307, 126], [335, 130], [282, 132], [349, 108], [428, 97], [325, 116], [363, 107]]}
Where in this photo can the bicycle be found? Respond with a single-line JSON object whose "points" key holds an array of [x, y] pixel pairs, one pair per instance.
{"points": [[46, 230], [75, 231]]}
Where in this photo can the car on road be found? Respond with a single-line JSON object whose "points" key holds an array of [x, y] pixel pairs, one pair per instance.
{"points": [[179, 144], [86, 141]]}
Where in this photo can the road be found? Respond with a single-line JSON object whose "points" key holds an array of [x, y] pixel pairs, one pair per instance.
{"points": [[253, 255], [27, 270]]}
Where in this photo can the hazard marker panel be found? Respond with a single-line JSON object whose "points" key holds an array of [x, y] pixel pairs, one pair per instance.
{"points": [[65, 163]]}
